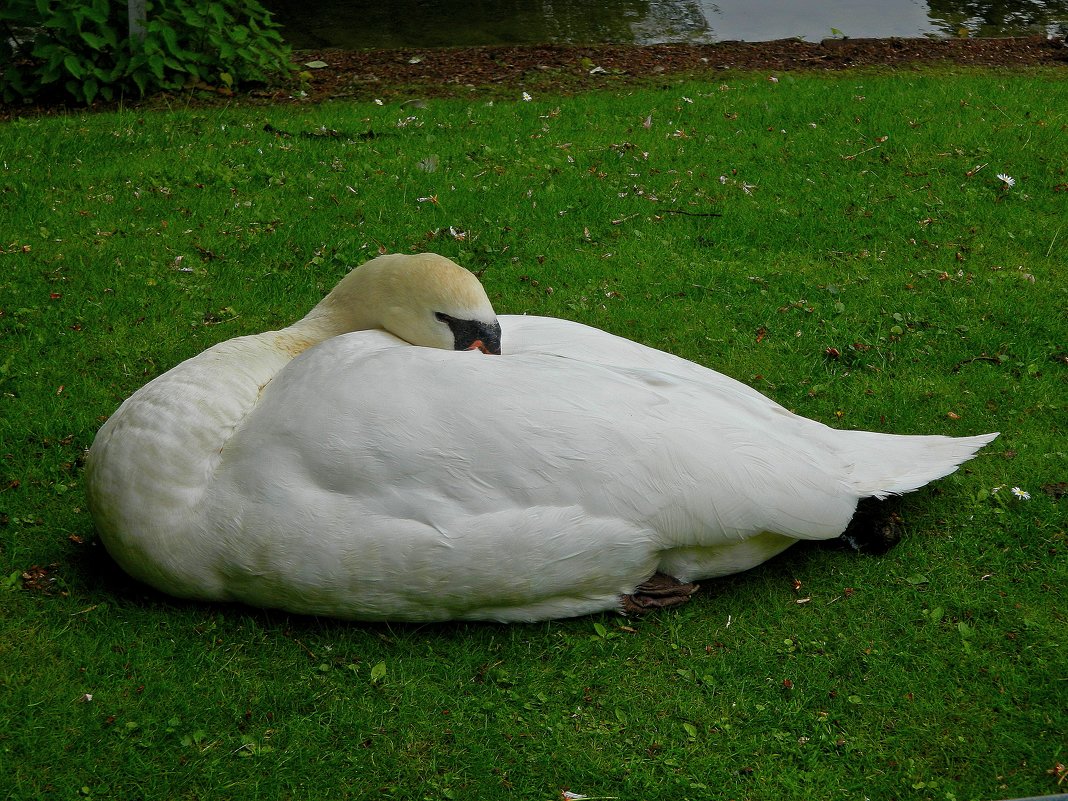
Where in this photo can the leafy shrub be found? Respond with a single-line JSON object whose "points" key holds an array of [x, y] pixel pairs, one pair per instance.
{"points": [[83, 48]]}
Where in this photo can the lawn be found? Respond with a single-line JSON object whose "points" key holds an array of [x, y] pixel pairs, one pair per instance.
{"points": [[845, 244]]}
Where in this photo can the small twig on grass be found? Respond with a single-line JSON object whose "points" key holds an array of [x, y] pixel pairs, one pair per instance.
{"points": [[1051, 244], [692, 213], [321, 132], [862, 152], [305, 648], [983, 358]]}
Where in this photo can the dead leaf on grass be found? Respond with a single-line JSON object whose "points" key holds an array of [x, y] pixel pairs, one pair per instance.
{"points": [[1056, 491], [39, 578]]}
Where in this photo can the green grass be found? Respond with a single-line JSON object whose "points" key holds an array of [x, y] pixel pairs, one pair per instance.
{"points": [[132, 241]]}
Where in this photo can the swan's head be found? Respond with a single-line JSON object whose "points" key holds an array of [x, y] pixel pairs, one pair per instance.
{"points": [[424, 299]]}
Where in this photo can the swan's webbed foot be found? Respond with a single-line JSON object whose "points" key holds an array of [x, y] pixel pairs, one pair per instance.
{"points": [[659, 592], [875, 527]]}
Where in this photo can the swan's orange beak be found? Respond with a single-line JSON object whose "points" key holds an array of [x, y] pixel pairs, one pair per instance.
{"points": [[478, 344]]}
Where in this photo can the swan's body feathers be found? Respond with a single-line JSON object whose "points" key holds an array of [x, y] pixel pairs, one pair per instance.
{"points": [[368, 478]]}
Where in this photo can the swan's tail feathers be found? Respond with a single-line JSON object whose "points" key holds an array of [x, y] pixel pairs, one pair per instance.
{"points": [[891, 464]]}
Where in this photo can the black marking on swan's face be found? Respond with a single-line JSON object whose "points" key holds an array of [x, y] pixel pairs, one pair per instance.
{"points": [[473, 334]]}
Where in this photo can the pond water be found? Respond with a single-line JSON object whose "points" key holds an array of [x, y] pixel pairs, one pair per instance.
{"points": [[359, 24]]}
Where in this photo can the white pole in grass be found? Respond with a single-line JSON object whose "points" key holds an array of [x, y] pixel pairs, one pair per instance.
{"points": [[136, 10]]}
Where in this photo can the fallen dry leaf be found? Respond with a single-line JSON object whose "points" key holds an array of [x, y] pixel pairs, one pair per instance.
{"points": [[39, 578]]}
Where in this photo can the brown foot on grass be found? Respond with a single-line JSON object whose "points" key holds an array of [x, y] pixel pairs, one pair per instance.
{"points": [[659, 592]]}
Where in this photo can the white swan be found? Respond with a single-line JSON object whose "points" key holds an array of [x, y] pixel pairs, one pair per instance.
{"points": [[332, 468]]}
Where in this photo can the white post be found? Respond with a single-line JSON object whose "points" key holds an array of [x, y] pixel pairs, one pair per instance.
{"points": [[137, 20]]}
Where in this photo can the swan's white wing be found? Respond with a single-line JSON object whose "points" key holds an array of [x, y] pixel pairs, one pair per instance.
{"points": [[876, 464], [526, 334], [453, 476]]}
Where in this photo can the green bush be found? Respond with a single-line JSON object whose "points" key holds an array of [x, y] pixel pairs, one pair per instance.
{"points": [[83, 49]]}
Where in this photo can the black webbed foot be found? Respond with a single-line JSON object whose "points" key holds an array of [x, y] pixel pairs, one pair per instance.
{"points": [[875, 528]]}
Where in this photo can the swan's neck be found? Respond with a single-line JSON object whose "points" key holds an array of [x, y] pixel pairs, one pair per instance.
{"points": [[320, 324], [153, 460]]}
